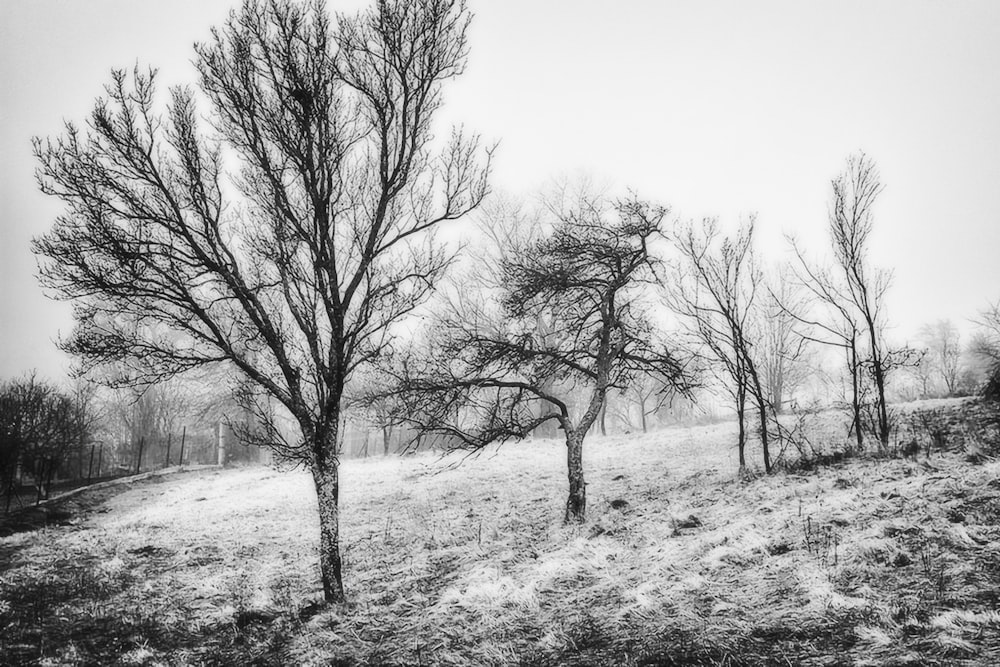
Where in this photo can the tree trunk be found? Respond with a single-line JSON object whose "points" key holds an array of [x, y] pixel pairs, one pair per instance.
{"points": [[856, 397], [757, 393], [778, 393], [604, 413], [576, 503], [741, 396], [326, 477], [883, 412], [764, 444], [385, 440], [138, 459]]}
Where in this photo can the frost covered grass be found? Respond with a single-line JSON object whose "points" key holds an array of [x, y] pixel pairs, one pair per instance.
{"points": [[885, 561]]}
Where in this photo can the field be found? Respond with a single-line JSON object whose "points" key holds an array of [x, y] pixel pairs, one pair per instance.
{"points": [[874, 561]]}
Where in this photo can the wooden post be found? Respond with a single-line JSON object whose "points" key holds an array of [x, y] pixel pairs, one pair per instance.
{"points": [[90, 466], [169, 435], [100, 457], [184, 432], [138, 461]]}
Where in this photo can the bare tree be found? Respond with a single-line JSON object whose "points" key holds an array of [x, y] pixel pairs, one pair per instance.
{"points": [[986, 345], [944, 348], [783, 352], [293, 271], [494, 366], [648, 395], [716, 290], [851, 220], [831, 321], [41, 428]]}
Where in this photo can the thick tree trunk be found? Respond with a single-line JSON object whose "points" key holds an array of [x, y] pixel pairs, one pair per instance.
{"points": [[778, 394], [386, 434], [138, 459], [576, 503], [326, 477], [604, 414]]}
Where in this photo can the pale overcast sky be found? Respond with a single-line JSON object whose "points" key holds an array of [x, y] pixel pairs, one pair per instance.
{"points": [[713, 107]]}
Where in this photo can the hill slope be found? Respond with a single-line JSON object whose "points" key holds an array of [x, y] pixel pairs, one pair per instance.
{"points": [[887, 561]]}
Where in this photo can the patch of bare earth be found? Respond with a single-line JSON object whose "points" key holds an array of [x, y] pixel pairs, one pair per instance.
{"points": [[886, 561]]}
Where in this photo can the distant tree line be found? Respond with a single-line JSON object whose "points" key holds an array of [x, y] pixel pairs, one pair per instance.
{"points": [[43, 434]]}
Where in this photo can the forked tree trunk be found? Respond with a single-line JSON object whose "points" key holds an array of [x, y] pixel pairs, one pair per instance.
{"points": [[576, 503], [326, 477]]}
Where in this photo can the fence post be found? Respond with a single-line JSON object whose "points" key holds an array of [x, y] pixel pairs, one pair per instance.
{"points": [[169, 436], [138, 461], [184, 432]]}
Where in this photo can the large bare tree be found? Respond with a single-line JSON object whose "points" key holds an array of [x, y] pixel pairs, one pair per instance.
{"points": [[286, 237], [564, 320]]}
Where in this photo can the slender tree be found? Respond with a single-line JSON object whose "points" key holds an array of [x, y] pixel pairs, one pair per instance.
{"points": [[647, 395], [783, 353], [831, 321], [944, 349], [716, 291], [293, 270], [851, 221], [495, 374]]}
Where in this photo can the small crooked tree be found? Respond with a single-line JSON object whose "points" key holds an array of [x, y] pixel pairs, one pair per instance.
{"points": [[293, 270], [496, 373]]}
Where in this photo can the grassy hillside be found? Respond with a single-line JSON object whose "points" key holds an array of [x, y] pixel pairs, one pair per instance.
{"points": [[889, 561]]}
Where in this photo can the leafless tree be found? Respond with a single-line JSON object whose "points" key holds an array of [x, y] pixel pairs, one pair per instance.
{"points": [[495, 374], [986, 345], [783, 352], [41, 428], [294, 270], [831, 321], [851, 221], [716, 290], [944, 352], [648, 395]]}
